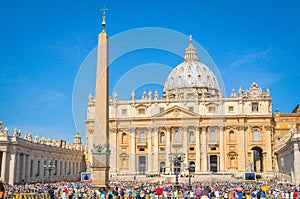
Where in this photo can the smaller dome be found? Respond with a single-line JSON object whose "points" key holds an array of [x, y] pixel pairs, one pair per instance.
{"points": [[77, 135]]}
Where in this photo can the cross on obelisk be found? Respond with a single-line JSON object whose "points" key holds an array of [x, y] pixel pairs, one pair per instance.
{"points": [[104, 9]]}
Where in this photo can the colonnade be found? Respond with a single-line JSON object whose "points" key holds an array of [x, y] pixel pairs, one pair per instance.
{"points": [[19, 167]]}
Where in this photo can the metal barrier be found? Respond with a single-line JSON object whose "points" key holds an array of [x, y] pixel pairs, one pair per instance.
{"points": [[28, 196]]}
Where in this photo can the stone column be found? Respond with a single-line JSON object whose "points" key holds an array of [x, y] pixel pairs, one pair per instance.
{"points": [[149, 148], [168, 150], [241, 149], [204, 150], [132, 165], [269, 149], [27, 167], [23, 171], [3, 163], [197, 166], [17, 172], [113, 150], [58, 167], [155, 151], [222, 149], [12, 177], [185, 145]]}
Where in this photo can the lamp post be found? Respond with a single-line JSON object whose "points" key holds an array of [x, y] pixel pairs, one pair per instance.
{"points": [[177, 159], [49, 167], [190, 168]]}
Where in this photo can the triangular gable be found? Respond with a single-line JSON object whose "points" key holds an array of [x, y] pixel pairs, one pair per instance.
{"points": [[176, 112], [297, 109]]}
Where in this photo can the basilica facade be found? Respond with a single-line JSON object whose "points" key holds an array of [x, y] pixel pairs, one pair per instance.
{"points": [[215, 133]]}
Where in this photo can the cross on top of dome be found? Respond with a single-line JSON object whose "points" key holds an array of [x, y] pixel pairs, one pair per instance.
{"points": [[190, 52]]}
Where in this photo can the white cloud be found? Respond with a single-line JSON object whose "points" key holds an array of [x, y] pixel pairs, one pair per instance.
{"points": [[52, 96], [250, 57]]}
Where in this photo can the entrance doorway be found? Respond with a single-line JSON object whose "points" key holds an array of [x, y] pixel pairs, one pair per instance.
{"points": [[257, 159], [213, 163], [142, 164]]}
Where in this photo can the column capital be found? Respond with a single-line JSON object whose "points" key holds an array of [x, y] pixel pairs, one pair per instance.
{"points": [[230, 127], [149, 129], [242, 128], [268, 127], [193, 128], [156, 129], [213, 127], [203, 128], [113, 130], [132, 130], [182, 128]]}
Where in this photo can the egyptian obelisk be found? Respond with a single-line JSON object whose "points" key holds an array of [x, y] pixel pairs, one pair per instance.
{"points": [[100, 151]]}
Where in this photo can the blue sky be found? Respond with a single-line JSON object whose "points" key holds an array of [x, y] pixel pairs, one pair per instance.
{"points": [[43, 44]]}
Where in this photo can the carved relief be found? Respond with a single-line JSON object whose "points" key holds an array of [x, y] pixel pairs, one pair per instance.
{"points": [[100, 148]]}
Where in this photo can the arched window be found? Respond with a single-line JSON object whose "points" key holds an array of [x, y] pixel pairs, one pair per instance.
{"points": [[176, 136], [191, 136], [255, 135], [231, 136], [162, 137], [124, 138], [213, 136], [142, 136]]}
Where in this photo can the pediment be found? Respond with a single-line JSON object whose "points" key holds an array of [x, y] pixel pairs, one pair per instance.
{"points": [[296, 109], [207, 104], [176, 112]]}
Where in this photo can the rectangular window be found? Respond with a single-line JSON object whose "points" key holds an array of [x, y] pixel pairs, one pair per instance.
{"points": [[162, 149], [192, 148], [211, 109], [254, 107], [124, 111], [191, 109], [230, 109], [141, 110]]}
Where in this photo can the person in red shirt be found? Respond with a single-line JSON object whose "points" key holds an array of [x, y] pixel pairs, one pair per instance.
{"points": [[295, 195]]}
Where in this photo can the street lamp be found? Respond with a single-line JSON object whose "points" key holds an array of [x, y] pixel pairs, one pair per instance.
{"points": [[177, 159], [49, 167], [190, 168]]}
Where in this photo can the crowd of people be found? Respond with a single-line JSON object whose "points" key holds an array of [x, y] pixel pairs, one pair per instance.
{"points": [[143, 190]]}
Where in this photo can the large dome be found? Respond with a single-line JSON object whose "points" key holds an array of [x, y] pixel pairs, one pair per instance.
{"points": [[191, 73]]}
